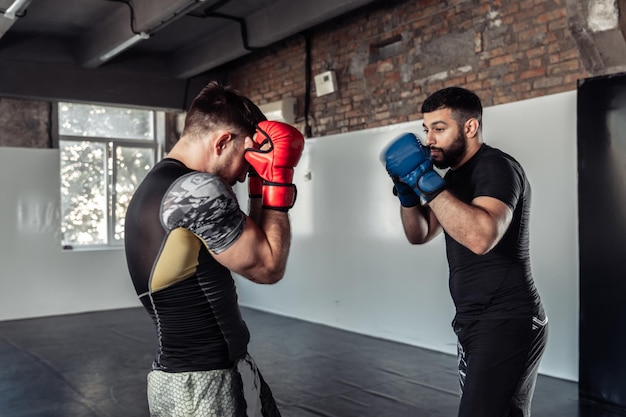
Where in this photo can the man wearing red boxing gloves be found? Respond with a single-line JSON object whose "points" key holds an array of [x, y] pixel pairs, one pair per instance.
{"points": [[184, 235]]}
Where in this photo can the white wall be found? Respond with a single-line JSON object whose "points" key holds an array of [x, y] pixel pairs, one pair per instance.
{"points": [[38, 278], [351, 267], [541, 134]]}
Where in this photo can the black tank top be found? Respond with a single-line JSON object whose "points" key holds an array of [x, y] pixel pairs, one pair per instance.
{"points": [[175, 219]]}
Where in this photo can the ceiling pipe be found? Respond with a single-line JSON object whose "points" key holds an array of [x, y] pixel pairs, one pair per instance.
{"points": [[12, 11], [210, 12]]}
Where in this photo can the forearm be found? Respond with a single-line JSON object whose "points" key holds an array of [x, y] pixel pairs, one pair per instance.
{"points": [[472, 225], [277, 229], [255, 210], [419, 224]]}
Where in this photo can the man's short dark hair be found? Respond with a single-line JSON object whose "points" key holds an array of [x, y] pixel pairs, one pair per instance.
{"points": [[464, 103], [222, 106]]}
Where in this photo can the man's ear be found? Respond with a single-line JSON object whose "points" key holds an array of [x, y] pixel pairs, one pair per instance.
{"points": [[222, 141], [471, 127]]}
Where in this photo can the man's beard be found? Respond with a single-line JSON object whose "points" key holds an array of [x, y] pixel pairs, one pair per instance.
{"points": [[452, 156]]}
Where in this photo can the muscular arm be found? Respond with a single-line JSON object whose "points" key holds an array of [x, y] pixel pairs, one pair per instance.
{"points": [[260, 253], [255, 210], [478, 226], [264, 245], [419, 223], [206, 206]]}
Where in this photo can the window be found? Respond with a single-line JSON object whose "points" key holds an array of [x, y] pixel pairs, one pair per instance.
{"points": [[105, 153]]}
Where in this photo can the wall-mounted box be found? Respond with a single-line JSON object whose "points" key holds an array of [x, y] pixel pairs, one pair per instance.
{"points": [[325, 83]]}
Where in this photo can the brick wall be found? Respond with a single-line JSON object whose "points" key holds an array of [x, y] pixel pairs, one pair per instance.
{"points": [[25, 123], [388, 57]]}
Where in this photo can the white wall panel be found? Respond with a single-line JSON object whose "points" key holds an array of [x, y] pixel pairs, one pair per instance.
{"points": [[541, 134], [38, 278], [351, 267]]}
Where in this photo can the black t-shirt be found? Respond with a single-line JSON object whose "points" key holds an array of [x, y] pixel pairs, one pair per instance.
{"points": [[175, 220], [498, 284]]}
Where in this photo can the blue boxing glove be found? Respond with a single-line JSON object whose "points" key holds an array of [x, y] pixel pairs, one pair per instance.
{"points": [[406, 195], [408, 161]]}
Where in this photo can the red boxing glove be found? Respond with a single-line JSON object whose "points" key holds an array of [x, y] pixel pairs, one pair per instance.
{"points": [[255, 184], [284, 144]]}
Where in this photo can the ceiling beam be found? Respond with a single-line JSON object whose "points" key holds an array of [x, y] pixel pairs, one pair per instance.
{"points": [[11, 10], [156, 14], [116, 30], [54, 82], [279, 20]]}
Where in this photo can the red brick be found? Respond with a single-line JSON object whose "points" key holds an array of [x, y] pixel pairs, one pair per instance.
{"points": [[532, 73]]}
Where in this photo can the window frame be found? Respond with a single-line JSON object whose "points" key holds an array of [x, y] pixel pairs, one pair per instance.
{"points": [[111, 144]]}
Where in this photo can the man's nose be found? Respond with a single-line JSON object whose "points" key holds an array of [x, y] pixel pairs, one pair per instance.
{"points": [[430, 139]]}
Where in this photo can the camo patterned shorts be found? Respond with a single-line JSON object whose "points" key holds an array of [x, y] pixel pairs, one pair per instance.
{"points": [[236, 392]]}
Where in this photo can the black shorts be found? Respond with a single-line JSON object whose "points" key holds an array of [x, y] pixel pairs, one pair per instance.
{"points": [[498, 364]]}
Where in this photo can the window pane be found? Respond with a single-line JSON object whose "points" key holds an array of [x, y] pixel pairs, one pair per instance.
{"points": [[132, 166], [105, 122], [83, 193]]}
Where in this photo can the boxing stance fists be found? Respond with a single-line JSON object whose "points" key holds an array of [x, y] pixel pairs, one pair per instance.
{"points": [[279, 149], [408, 163], [406, 195]]}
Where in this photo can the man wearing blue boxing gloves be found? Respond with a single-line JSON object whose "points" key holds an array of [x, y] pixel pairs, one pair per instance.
{"points": [[482, 204]]}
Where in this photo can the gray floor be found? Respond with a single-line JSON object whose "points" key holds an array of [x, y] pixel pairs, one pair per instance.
{"points": [[94, 365]]}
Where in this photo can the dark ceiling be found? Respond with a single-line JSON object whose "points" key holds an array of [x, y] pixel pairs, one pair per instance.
{"points": [[175, 38]]}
